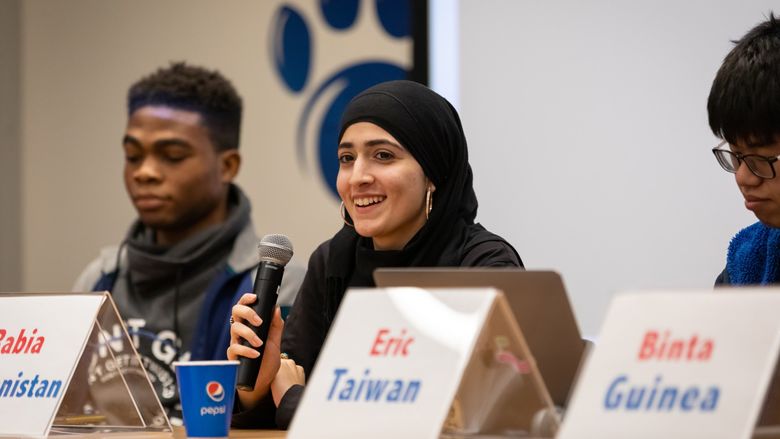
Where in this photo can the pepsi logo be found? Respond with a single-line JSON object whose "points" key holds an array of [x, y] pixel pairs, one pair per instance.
{"points": [[215, 391]]}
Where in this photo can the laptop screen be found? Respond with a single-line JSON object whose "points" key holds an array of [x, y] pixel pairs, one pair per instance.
{"points": [[538, 301]]}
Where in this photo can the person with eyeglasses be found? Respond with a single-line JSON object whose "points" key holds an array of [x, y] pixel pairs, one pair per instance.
{"points": [[744, 111]]}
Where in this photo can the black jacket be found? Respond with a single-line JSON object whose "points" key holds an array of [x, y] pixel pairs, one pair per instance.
{"points": [[312, 315]]}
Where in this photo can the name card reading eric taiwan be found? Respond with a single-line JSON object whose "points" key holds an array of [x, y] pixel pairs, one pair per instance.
{"points": [[392, 363], [41, 339], [678, 364]]}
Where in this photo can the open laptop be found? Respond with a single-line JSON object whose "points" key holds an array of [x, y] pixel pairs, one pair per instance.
{"points": [[538, 301]]}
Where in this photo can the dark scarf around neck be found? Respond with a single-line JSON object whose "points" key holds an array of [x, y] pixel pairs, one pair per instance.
{"points": [[153, 265]]}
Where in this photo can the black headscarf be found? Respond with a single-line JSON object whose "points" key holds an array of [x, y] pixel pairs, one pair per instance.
{"points": [[429, 128]]}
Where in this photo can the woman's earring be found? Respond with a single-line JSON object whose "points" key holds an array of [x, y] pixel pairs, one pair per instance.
{"points": [[428, 203], [343, 210]]}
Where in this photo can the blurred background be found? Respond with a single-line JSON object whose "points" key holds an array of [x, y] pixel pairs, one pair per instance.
{"points": [[586, 123]]}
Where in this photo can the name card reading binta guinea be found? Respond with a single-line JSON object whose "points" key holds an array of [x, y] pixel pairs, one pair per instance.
{"points": [[624, 393]]}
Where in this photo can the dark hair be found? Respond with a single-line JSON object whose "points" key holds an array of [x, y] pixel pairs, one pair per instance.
{"points": [[744, 102], [191, 88]]}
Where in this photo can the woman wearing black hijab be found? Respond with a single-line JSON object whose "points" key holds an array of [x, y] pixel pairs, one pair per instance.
{"points": [[407, 201]]}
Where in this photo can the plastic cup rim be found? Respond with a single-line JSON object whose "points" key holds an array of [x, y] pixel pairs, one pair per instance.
{"points": [[206, 363]]}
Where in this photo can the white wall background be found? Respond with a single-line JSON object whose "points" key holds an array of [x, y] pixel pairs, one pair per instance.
{"points": [[10, 198], [589, 140], [586, 122], [78, 59]]}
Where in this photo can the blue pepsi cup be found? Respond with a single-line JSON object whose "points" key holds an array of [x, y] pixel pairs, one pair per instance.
{"points": [[206, 389]]}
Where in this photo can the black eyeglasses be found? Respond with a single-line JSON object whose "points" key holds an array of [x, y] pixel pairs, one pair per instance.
{"points": [[759, 165]]}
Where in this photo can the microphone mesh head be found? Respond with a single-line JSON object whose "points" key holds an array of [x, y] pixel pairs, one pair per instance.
{"points": [[275, 248]]}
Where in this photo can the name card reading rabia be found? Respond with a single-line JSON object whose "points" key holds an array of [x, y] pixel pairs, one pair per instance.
{"points": [[678, 364], [25, 342], [41, 340]]}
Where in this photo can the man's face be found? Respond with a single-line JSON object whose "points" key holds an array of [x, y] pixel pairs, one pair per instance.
{"points": [[173, 173], [762, 196]]}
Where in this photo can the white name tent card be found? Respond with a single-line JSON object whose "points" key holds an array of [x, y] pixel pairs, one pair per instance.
{"points": [[678, 364], [50, 346], [37, 353], [409, 362]]}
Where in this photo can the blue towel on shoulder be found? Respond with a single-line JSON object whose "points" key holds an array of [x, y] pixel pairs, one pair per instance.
{"points": [[754, 256]]}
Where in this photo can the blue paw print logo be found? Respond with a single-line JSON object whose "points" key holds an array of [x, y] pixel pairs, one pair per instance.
{"points": [[292, 58]]}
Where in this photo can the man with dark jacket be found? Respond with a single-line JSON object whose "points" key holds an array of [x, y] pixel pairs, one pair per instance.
{"points": [[192, 251]]}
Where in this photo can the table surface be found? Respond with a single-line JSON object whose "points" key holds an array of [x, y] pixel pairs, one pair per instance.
{"points": [[178, 433]]}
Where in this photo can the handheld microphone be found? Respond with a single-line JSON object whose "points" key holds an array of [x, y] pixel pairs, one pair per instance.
{"points": [[275, 252]]}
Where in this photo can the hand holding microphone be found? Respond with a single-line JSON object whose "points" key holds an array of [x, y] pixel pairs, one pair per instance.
{"points": [[275, 252]]}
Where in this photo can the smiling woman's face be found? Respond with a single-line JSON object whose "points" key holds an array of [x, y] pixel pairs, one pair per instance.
{"points": [[382, 185]]}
